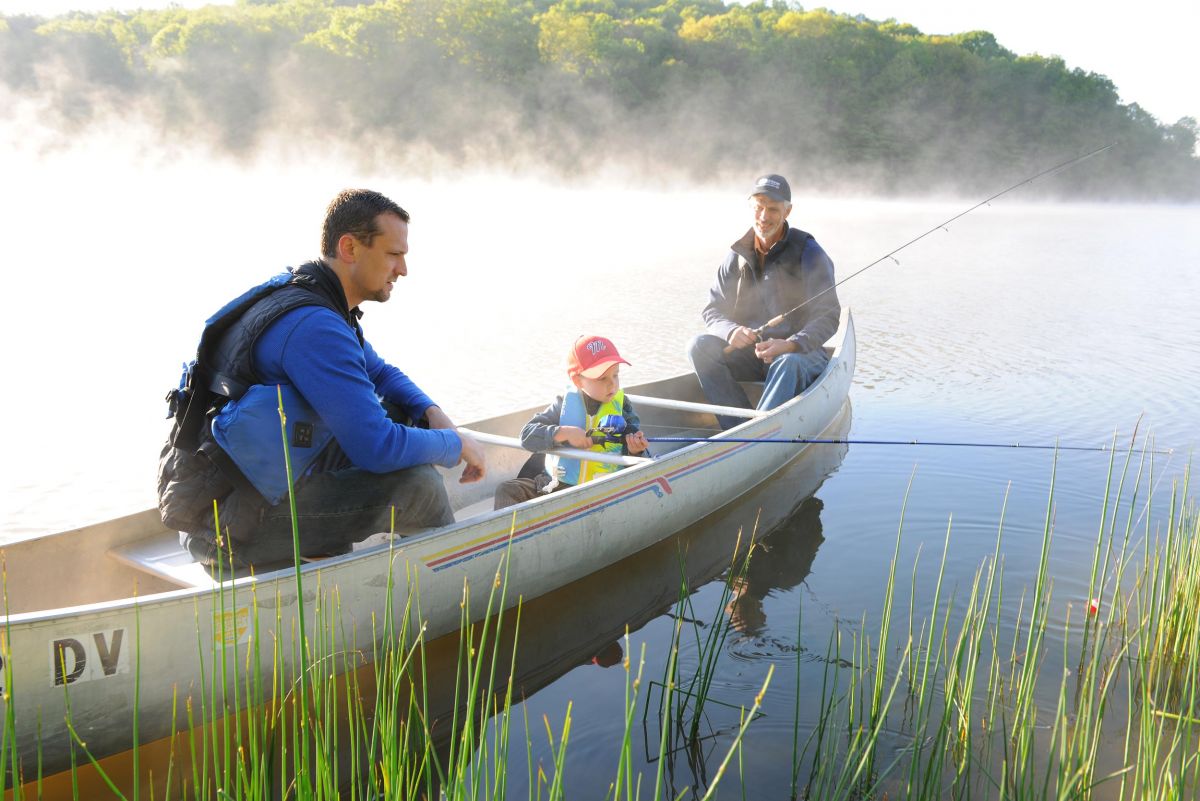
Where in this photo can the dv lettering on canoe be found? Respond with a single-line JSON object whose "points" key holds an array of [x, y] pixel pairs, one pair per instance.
{"points": [[87, 657]]}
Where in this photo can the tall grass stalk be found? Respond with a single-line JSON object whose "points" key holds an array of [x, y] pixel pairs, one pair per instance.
{"points": [[990, 712], [301, 653], [965, 704]]}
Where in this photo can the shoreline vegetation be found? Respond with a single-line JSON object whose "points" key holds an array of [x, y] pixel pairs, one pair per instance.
{"points": [[958, 705], [685, 91]]}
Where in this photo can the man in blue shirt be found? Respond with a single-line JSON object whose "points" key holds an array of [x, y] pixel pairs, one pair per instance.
{"points": [[365, 436]]}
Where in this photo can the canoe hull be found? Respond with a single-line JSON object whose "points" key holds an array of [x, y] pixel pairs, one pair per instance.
{"points": [[98, 657]]}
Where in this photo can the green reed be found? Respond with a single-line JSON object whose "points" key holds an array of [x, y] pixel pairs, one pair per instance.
{"points": [[956, 706], [320, 730], [974, 721]]}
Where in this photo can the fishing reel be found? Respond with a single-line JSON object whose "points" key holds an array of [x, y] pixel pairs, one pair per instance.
{"points": [[609, 428]]}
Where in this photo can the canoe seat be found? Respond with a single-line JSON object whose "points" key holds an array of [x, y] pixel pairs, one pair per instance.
{"points": [[477, 508], [161, 555]]}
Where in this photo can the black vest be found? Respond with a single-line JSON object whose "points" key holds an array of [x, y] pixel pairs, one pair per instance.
{"points": [[193, 471]]}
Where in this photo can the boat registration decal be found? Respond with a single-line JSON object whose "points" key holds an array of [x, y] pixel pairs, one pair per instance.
{"points": [[231, 626], [660, 485], [76, 658]]}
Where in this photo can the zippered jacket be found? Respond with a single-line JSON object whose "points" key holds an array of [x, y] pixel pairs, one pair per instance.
{"points": [[794, 271]]}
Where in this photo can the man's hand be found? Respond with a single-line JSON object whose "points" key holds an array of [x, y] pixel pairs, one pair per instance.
{"points": [[636, 442], [437, 418], [742, 337], [574, 436], [472, 454], [772, 349]]}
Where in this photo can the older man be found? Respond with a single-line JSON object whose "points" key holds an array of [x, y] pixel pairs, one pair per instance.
{"points": [[363, 438], [774, 269]]}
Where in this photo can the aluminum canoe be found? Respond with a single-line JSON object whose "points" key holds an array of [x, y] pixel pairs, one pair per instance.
{"points": [[102, 613]]}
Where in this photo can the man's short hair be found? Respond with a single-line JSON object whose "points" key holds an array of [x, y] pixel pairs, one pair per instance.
{"points": [[354, 212]]}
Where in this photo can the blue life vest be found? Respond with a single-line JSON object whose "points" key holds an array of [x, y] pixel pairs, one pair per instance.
{"points": [[574, 413], [227, 434], [246, 429]]}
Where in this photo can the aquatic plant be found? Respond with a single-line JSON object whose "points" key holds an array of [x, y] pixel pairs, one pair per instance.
{"points": [[974, 721], [953, 706]]}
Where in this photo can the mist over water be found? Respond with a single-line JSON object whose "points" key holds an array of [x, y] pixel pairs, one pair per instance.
{"points": [[697, 92], [1026, 321], [125, 250]]}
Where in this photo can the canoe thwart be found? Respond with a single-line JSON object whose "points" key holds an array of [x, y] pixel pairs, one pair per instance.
{"points": [[689, 406], [574, 453], [162, 555]]}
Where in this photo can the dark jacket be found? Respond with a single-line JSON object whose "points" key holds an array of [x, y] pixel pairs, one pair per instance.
{"points": [[795, 270]]}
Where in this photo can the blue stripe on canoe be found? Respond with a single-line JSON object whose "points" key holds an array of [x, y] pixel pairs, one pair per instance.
{"points": [[657, 485]]}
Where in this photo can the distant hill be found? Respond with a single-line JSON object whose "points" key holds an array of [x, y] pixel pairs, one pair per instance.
{"points": [[693, 89]]}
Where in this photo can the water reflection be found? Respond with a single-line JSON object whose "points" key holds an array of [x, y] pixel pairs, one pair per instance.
{"points": [[783, 559], [566, 635]]}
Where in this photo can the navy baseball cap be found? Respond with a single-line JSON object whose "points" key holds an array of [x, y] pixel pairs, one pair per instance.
{"points": [[773, 186]]}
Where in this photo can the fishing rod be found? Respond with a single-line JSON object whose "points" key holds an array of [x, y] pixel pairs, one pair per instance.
{"points": [[940, 226], [804, 441], [611, 428]]}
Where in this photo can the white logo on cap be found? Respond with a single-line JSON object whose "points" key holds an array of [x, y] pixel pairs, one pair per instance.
{"points": [[596, 346], [769, 182]]}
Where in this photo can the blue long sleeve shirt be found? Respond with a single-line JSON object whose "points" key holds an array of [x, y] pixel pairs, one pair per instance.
{"points": [[314, 350]]}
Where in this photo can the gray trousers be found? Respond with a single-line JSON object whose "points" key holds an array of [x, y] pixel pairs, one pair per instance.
{"points": [[334, 510]]}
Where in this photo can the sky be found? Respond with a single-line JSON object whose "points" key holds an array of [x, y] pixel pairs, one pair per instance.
{"points": [[1148, 49]]}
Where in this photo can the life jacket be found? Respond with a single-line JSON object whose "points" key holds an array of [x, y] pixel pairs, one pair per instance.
{"points": [[574, 413], [226, 435]]}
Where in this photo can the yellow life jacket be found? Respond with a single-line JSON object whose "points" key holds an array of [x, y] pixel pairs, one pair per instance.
{"points": [[574, 413]]}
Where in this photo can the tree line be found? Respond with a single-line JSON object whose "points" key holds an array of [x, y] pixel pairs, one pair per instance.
{"points": [[687, 88]]}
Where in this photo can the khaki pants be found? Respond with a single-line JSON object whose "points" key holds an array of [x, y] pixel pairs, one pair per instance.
{"points": [[519, 490]]}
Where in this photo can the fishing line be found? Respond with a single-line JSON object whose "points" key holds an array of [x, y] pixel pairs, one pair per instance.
{"points": [[611, 428], [1162, 473], [939, 227], [945, 444]]}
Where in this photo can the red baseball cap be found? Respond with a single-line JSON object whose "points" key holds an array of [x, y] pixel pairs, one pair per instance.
{"points": [[591, 356]]}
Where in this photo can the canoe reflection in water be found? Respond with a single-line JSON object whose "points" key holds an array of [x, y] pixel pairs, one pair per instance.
{"points": [[567, 635], [570, 626], [583, 624], [782, 560]]}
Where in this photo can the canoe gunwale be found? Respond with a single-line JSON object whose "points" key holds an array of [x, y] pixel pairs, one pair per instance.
{"points": [[421, 540], [543, 544]]}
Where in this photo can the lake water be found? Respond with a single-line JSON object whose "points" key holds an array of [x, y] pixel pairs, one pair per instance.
{"points": [[1029, 323]]}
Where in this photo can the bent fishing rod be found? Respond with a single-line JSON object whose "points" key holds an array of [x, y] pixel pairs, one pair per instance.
{"points": [[939, 227]]}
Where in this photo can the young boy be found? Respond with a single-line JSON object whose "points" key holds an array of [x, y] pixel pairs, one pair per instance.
{"points": [[593, 365]]}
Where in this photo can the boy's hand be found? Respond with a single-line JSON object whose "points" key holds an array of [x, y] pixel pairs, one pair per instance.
{"points": [[636, 442], [574, 436]]}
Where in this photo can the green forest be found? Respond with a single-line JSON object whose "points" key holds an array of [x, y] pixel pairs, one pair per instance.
{"points": [[682, 89]]}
